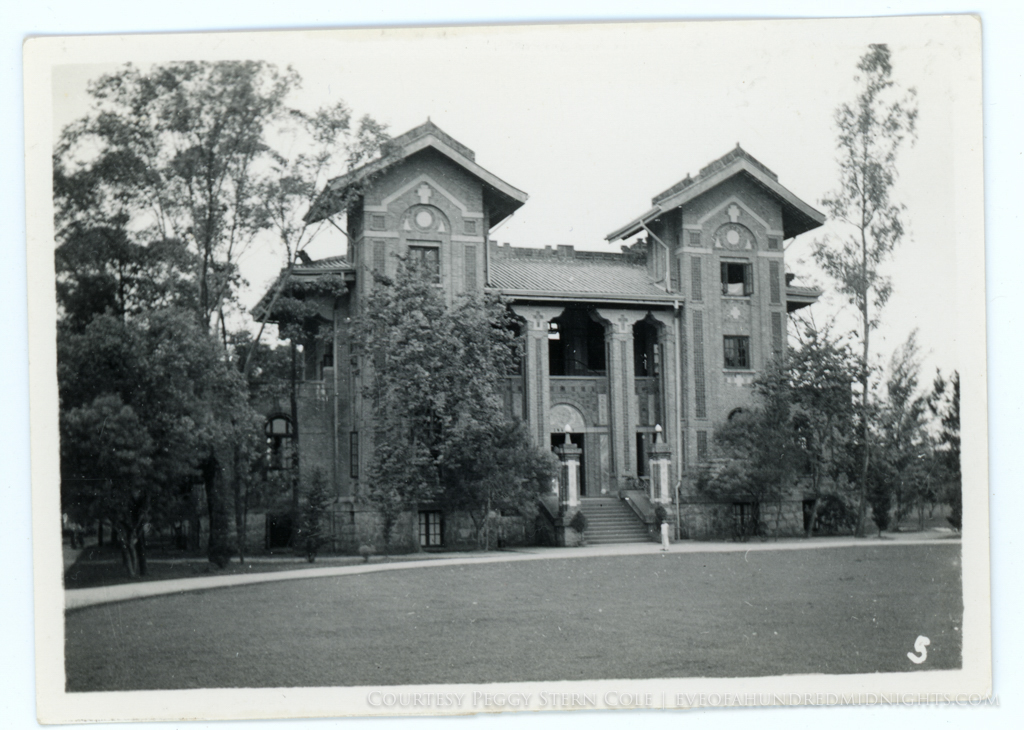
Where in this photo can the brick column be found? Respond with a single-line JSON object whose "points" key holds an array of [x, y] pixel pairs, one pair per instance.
{"points": [[621, 388], [670, 386], [537, 370]]}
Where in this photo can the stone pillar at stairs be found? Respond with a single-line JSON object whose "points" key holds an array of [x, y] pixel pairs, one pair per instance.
{"points": [[660, 461], [569, 473]]}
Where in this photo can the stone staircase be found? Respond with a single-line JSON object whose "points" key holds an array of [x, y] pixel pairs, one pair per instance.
{"points": [[610, 520]]}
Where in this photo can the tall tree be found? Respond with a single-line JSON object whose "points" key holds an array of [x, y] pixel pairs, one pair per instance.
{"points": [[290, 193], [822, 369], [761, 448], [903, 443], [145, 404], [871, 132], [441, 432], [101, 270], [176, 153], [944, 403]]}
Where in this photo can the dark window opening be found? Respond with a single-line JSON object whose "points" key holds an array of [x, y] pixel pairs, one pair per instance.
{"points": [[645, 349], [431, 532], [641, 455], [576, 345], [279, 441], [808, 507], [746, 517], [737, 279], [279, 530], [426, 262], [737, 352]]}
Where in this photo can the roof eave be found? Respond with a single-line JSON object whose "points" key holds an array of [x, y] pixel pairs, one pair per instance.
{"points": [[665, 300], [510, 198], [636, 225], [799, 299], [807, 217]]}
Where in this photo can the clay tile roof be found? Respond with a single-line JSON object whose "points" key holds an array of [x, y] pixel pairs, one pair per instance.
{"points": [[331, 263], [584, 273]]}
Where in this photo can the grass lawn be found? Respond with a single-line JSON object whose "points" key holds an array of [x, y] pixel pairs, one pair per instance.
{"points": [[831, 610]]}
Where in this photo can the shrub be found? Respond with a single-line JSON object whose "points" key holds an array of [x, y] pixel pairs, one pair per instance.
{"points": [[660, 515], [317, 501], [835, 515], [880, 499], [366, 551], [579, 523], [956, 504]]}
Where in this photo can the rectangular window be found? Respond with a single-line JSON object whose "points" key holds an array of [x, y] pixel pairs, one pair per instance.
{"points": [[378, 256], [774, 285], [777, 333], [377, 222], [470, 267], [737, 279], [702, 446], [737, 352], [696, 278], [470, 228], [700, 402], [353, 454], [430, 529], [774, 244], [426, 260], [694, 239]]}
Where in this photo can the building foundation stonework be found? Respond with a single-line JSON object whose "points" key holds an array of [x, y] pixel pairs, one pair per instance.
{"points": [[631, 358]]}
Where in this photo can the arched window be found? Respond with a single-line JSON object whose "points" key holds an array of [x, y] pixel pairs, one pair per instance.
{"points": [[279, 442]]}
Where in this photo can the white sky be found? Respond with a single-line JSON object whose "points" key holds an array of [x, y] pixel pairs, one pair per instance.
{"points": [[594, 121]]}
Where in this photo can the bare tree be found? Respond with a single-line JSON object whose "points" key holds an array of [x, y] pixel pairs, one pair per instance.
{"points": [[871, 131]]}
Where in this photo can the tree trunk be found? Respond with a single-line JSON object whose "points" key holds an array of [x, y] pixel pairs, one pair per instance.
{"points": [[240, 516], [295, 445], [128, 554], [140, 546], [814, 517], [218, 546]]}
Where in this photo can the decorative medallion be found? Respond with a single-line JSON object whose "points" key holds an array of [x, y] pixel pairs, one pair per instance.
{"points": [[424, 219], [734, 237]]}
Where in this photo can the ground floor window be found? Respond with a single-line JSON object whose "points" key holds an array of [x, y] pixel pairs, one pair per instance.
{"points": [[279, 530], [431, 534], [737, 352], [746, 517]]}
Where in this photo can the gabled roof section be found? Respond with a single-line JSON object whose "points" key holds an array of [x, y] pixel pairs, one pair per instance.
{"points": [[797, 216], [501, 199]]}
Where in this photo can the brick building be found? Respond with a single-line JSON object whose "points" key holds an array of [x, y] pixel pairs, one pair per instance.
{"points": [[665, 337]]}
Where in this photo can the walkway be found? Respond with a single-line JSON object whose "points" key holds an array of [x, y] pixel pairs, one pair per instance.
{"points": [[82, 597]]}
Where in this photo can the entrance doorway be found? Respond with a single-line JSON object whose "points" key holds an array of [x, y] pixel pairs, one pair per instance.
{"points": [[578, 440]]}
